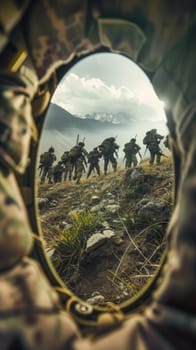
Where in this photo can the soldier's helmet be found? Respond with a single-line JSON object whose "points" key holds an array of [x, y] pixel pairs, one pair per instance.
{"points": [[51, 149], [95, 149], [112, 139], [81, 144], [154, 130], [133, 140]]}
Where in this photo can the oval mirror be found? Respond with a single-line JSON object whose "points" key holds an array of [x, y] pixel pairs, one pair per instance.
{"points": [[105, 179]]}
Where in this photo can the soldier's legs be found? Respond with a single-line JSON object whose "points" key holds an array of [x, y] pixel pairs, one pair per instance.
{"points": [[134, 160], [106, 162], [128, 163], [78, 176], [70, 173], [114, 162], [152, 157], [97, 167], [65, 174], [91, 166], [158, 158], [44, 173], [50, 175]]}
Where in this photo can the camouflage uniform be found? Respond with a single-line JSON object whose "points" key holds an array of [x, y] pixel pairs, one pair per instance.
{"points": [[68, 165], [79, 168], [108, 152], [47, 167], [166, 142], [57, 172], [93, 160], [130, 150], [30, 314], [153, 145]]}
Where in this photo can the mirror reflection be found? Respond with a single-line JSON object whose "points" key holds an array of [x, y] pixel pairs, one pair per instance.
{"points": [[105, 179]]}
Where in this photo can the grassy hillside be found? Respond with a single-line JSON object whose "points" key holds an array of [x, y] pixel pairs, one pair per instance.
{"points": [[133, 206]]}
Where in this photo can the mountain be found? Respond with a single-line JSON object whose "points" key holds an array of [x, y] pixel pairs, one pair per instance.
{"points": [[120, 118], [59, 119]]}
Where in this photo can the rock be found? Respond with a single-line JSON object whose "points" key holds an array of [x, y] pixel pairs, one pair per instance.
{"points": [[105, 224], [97, 207], [96, 300], [134, 173], [112, 208], [108, 233], [95, 199], [43, 202], [98, 239], [152, 208]]}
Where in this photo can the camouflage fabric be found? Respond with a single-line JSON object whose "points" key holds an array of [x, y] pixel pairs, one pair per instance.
{"points": [[79, 169], [15, 233], [16, 127], [93, 160], [47, 170], [30, 317], [57, 172], [131, 149]]}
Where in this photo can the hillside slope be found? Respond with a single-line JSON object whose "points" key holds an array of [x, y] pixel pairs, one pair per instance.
{"points": [[106, 235]]}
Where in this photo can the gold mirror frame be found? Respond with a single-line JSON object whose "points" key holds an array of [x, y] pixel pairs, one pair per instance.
{"points": [[85, 314]]}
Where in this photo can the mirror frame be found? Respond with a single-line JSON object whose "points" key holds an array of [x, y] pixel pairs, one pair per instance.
{"points": [[84, 313]]}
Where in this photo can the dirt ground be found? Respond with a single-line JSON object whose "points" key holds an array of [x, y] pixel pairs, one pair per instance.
{"points": [[119, 267]]}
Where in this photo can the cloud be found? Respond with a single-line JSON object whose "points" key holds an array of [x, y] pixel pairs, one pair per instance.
{"points": [[84, 95]]}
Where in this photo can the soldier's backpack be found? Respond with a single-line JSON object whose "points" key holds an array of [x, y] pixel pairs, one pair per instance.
{"points": [[107, 146], [128, 148], [75, 152], [147, 139], [65, 156], [45, 158]]}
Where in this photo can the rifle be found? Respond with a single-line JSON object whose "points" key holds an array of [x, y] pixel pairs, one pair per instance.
{"points": [[140, 154], [162, 154], [77, 139], [145, 150]]}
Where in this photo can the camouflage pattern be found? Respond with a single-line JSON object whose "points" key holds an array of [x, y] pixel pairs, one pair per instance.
{"points": [[30, 316], [152, 143], [79, 168], [30, 311], [47, 170], [58, 171], [109, 148], [15, 233], [93, 160], [16, 127], [68, 165], [166, 142], [130, 150]]}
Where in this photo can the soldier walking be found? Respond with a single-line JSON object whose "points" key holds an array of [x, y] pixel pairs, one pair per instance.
{"points": [[79, 168], [68, 165], [109, 148], [58, 171], [131, 149], [93, 160], [152, 141], [46, 161]]}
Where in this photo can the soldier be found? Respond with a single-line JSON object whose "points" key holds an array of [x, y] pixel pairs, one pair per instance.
{"points": [[166, 142], [93, 160], [77, 151], [68, 165], [130, 150], [58, 171], [108, 149], [152, 141], [79, 168], [47, 159]]}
